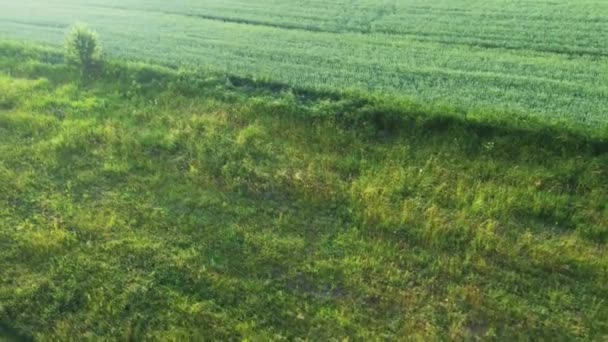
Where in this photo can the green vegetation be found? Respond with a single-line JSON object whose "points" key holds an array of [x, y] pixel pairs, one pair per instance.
{"points": [[83, 49], [545, 58], [161, 204]]}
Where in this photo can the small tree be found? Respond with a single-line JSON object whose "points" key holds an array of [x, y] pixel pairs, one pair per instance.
{"points": [[83, 49]]}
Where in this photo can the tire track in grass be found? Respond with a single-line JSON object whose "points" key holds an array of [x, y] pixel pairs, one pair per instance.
{"points": [[223, 19], [40, 24], [251, 22], [435, 38]]}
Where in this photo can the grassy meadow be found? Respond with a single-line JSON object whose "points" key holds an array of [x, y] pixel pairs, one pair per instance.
{"points": [[546, 59], [157, 204]]}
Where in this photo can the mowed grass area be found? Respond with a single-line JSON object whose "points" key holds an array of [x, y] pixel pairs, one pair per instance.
{"points": [[154, 204], [547, 58]]}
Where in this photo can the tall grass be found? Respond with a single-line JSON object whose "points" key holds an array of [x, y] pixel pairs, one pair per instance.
{"points": [[156, 204]]}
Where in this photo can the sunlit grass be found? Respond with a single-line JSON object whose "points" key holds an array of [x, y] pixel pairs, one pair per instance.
{"points": [[155, 204]]}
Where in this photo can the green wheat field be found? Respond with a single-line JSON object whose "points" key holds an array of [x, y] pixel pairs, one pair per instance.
{"points": [[271, 170], [543, 58]]}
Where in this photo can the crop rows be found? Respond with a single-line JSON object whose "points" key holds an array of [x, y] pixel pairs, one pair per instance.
{"points": [[544, 59]]}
